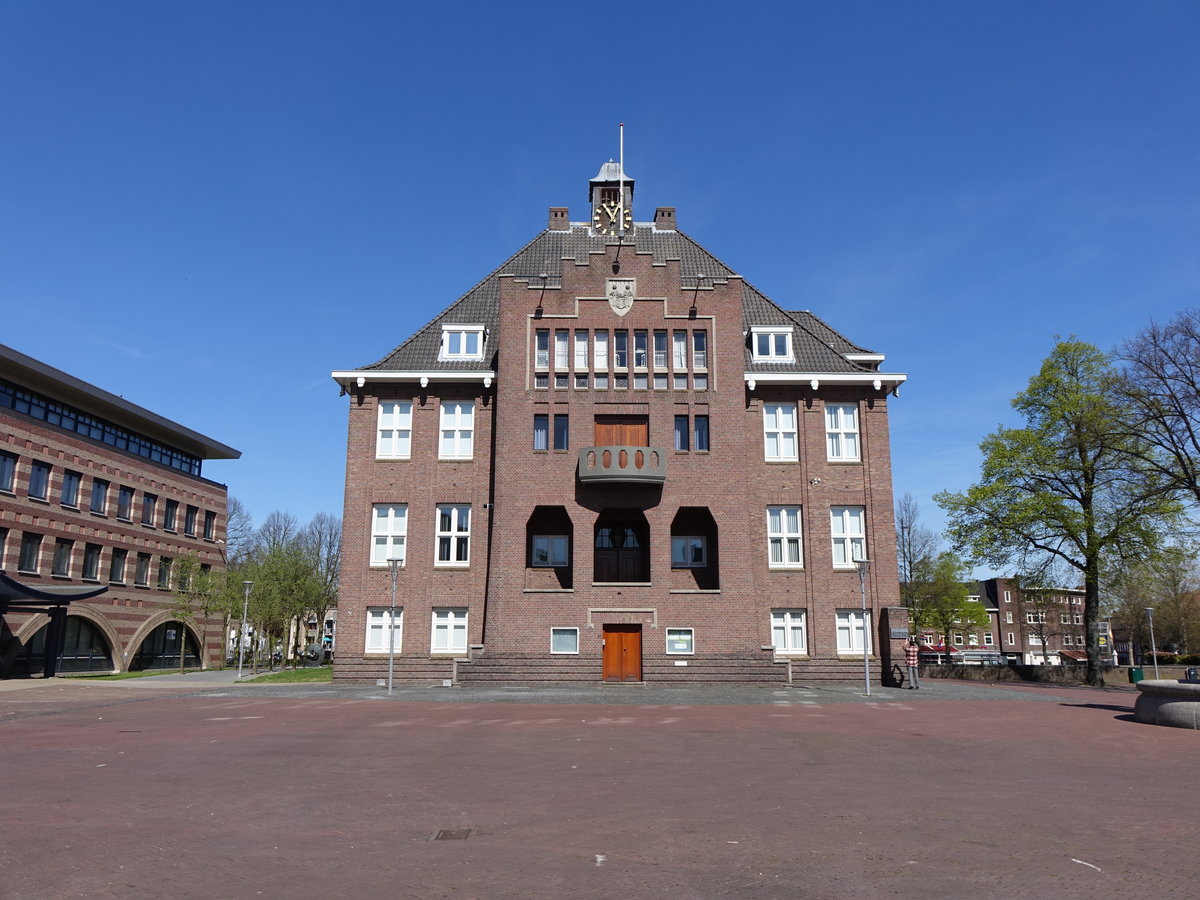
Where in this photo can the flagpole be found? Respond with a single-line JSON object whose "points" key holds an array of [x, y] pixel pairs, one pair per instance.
{"points": [[621, 183]]}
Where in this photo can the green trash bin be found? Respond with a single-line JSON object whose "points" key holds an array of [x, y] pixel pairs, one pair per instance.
{"points": [[1136, 674]]}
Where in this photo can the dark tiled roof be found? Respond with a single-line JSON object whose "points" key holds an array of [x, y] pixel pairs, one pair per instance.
{"points": [[817, 347]]}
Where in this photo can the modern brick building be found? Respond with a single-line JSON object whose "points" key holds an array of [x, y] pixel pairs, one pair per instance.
{"points": [[615, 459], [1043, 627], [101, 504]]}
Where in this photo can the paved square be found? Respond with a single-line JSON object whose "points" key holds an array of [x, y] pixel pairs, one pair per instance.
{"points": [[112, 790]]}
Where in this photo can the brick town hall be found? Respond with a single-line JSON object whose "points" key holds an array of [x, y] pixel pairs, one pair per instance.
{"points": [[615, 460]]}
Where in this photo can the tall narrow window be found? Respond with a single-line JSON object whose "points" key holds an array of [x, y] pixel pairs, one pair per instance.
{"points": [[700, 350], [164, 572], [841, 431], [679, 353], [189, 520], [395, 430], [91, 561], [541, 431], [69, 495], [779, 431], [149, 502], [562, 347], [125, 503], [458, 430], [541, 348], [449, 631], [784, 537], [99, 503], [62, 557], [701, 442], [600, 356], [39, 481], [116, 566], [31, 552], [170, 514], [8, 472], [562, 432], [379, 623], [849, 537], [640, 349], [581, 350], [621, 349], [453, 536], [210, 525], [141, 574], [682, 433], [660, 349], [389, 532], [787, 631]]}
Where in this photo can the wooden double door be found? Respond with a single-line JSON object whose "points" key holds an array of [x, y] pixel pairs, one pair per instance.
{"points": [[622, 657]]}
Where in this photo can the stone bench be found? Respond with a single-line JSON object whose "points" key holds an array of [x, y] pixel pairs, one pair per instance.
{"points": [[1174, 703]]}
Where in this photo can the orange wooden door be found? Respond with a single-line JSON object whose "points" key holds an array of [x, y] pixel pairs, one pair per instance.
{"points": [[622, 658], [622, 431]]}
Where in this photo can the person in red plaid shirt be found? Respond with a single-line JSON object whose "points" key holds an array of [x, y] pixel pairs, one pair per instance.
{"points": [[912, 660]]}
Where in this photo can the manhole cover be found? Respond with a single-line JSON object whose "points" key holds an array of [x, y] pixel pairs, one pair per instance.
{"points": [[452, 834]]}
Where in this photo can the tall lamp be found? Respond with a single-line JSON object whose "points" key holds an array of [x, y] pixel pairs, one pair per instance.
{"points": [[864, 567], [1153, 648], [394, 563], [246, 585]]}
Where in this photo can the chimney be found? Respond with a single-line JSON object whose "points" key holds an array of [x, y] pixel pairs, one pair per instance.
{"points": [[664, 218], [558, 219]]}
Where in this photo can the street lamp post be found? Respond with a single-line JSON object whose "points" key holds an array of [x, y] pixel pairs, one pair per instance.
{"points": [[395, 564], [864, 566], [246, 585], [1153, 648]]}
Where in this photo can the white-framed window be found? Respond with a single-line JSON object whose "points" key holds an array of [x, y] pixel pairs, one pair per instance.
{"points": [[549, 550], [681, 641], [987, 639], [1035, 641], [784, 548], [564, 640], [562, 350], [458, 429], [461, 342], [788, 631], [541, 349], [1010, 638], [848, 526], [449, 631], [378, 625], [1008, 617], [640, 349], [679, 351], [1077, 619], [851, 634], [389, 528], [779, 431], [395, 430], [453, 536], [841, 431], [958, 639], [621, 350], [1065, 618], [1036, 617], [581, 350], [600, 352], [771, 344], [660, 349], [1008, 596], [689, 552], [700, 350]]}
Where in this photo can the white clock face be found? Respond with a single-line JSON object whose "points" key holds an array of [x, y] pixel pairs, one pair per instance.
{"points": [[607, 218]]}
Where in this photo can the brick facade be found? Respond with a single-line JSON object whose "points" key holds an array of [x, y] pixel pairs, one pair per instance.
{"points": [[520, 492], [123, 618]]}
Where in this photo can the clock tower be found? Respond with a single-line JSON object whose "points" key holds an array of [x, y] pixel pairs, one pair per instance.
{"points": [[612, 199]]}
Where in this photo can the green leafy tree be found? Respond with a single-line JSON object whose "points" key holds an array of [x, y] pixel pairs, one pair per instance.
{"points": [[940, 600], [1071, 486]]}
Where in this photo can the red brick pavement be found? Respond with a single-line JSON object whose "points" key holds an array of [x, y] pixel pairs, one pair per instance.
{"points": [[112, 793]]}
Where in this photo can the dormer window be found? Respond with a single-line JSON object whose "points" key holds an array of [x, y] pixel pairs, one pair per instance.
{"points": [[772, 344], [461, 342]]}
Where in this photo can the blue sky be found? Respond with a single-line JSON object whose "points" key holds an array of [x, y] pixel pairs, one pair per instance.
{"points": [[207, 207]]}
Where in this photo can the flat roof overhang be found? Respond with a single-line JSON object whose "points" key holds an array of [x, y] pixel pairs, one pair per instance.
{"points": [[348, 379], [889, 381]]}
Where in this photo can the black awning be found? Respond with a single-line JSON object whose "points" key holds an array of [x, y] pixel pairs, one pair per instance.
{"points": [[25, 597]]}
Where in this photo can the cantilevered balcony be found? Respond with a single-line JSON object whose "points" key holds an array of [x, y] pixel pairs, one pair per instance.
{"points": [[638, 465]]}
